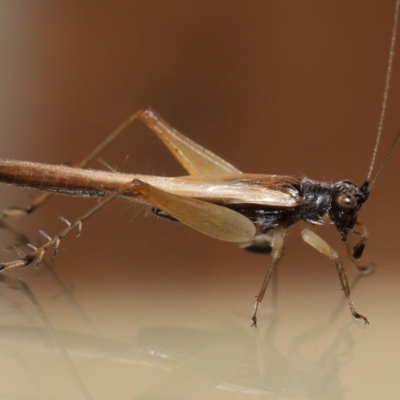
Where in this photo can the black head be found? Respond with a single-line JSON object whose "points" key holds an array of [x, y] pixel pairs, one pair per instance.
{"points": [[347, 199]]}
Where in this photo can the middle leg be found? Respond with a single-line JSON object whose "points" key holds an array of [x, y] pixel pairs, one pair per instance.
{"points": [[276, 253]]}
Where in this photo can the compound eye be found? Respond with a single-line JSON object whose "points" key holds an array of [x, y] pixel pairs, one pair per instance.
{"points": [[346, 202]]}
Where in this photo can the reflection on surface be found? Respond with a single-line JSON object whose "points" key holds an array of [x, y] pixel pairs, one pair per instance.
{"points": [[164, 362]]}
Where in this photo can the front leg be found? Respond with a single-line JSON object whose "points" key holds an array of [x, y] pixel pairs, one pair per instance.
{"points": [[323, 247], [355, 251]]}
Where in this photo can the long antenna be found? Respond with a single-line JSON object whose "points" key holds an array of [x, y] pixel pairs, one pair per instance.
{"points": [[383, 162], [384, 103]]}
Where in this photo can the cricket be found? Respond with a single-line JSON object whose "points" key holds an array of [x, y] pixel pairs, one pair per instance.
{"points": [[215, 198]]}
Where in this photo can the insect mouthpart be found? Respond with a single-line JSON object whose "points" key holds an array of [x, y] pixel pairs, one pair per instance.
{"points": [[347, 199], [363, 193]]}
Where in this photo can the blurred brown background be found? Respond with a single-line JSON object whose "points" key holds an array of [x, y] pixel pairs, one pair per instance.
{"points": [[276, 87]]}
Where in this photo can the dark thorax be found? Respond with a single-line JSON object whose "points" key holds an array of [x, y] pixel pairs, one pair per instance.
{"points": [[340, 201]]}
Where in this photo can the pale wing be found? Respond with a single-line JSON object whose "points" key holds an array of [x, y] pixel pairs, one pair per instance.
{"points": [[194, 158], [263, 190], [212, 220]]}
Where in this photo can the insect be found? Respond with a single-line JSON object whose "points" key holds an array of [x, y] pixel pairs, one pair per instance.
{"points": [[215, 198]]}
